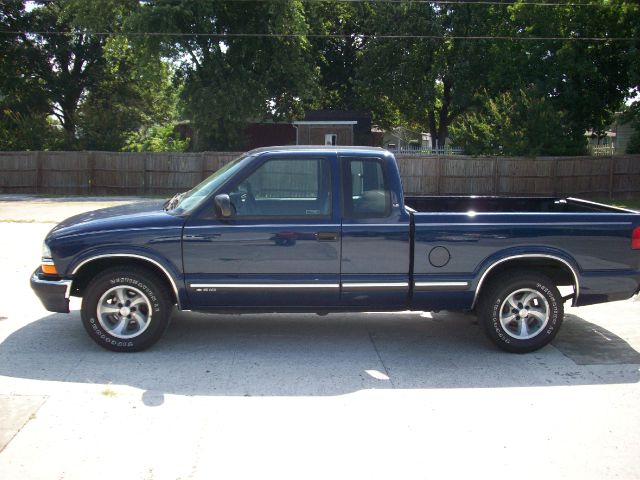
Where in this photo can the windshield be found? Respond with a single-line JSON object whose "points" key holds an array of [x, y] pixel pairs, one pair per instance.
{"points": [[193, 197]]}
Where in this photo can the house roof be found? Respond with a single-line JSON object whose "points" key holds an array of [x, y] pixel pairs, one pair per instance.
{"points": [[363, 118], [314, 115]]}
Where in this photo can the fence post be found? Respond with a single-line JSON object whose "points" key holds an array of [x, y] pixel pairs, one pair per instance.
{"points": [[438, 173], [496, 184], [39, 162], [202, 162], [145, 184], [611, 170], [91, 164], [555, 177]]}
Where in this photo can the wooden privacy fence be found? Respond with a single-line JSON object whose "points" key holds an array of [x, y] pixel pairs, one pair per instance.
{"points": [[613, 177], [100, 173]]}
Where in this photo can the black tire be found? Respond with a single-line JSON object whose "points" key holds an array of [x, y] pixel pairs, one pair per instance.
{"points": [[535, 322], [129, 333]]}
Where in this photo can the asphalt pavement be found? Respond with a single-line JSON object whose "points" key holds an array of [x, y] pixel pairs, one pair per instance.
{"points": [[410, 395]]}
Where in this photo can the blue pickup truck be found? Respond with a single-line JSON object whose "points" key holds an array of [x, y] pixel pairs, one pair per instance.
{"points": [[315, 229]]}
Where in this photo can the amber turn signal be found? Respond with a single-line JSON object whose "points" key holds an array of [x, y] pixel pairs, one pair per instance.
{"points": [[49, 269]]}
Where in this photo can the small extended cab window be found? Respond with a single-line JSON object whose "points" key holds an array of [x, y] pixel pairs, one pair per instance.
{"points": [[368, 196], [285, 188]]}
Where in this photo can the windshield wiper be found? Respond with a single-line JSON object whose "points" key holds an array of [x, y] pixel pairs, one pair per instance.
{"points": [[174, 201]]}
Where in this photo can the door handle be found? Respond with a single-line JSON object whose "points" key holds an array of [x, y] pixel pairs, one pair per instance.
{"points": [[327, 236]]}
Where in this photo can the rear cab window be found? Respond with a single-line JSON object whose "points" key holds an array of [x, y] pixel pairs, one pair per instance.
{"points": [[366, 190]]}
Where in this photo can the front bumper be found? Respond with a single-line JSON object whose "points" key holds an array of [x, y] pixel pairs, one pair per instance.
{"points": [[54, 294]]}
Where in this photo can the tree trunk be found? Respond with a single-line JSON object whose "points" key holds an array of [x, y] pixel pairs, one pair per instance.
{"points": [[433, 128], [69, 108], [443, 133], [439, 120], [444, 118]]}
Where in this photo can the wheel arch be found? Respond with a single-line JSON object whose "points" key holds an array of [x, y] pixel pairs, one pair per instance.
{"points": [[90, 267], [558, 269]]}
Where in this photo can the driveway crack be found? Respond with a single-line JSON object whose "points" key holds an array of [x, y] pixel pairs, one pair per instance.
{"points": [[384, 367]]}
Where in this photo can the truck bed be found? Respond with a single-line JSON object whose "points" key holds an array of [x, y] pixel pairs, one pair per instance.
{"points": [[488, 204], [458, 238]]}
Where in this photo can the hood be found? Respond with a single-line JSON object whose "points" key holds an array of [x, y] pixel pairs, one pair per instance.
{"points": [[133, 215]]}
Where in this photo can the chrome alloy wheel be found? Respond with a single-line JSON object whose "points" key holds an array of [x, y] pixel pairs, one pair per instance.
{"points": [[124, 312], [524, 314]]}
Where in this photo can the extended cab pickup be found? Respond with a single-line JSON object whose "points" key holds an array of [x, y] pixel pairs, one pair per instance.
{"points": [[314, 229]]}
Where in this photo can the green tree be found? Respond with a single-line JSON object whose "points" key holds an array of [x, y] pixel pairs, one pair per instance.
{"points": [[429, 82], [632, 110], [432, 83], [23, 100], [585, 80], [98, 87], [229, 80], [516, 124], [65, 59], [134, 92], [334, 27], [103, 90]]}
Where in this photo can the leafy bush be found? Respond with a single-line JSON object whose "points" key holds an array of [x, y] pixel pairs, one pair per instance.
{"points": [[517, 124], [161, 138]]}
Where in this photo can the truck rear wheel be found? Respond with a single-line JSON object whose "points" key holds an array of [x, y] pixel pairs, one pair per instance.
{"points": [[126, 310], [521, 312]]}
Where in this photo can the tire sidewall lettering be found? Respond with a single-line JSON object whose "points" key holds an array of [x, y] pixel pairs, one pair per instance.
{"points": [[106, 338], [495, 321], [142, 286], [156, 297], [553, 318], [551, 325]]}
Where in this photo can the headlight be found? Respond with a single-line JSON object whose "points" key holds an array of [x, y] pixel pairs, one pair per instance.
{"points": [[46, 252], [47, 266]]}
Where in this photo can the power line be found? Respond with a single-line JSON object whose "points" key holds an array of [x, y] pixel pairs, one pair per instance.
{"points": [[317, 35], [450, 2]]}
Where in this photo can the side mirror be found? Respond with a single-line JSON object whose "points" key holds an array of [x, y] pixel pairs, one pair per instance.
{"points": [[223, 205]]}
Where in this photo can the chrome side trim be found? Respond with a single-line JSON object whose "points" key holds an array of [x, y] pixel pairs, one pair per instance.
{"points": [[267, 225], [141, 257], [264, 285], [473, 213], [534, 255], [376, 285], [517, 224], [364, 225], [67, 283], [299, 285], [441, 284], [292, 225]]}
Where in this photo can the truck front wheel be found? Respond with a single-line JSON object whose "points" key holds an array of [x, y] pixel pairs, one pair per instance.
{"points": [[126, 310], [521, 312]]}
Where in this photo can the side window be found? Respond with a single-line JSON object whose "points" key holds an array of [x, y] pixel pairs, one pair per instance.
{"points": [[368, 195], [285, 187]]}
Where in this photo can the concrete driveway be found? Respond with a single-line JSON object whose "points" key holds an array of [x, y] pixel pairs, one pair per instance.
{"points": [[403, 395]]}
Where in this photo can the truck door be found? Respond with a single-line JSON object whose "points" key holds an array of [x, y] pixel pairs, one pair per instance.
{"points": [[375, 235], [281, 247]]}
